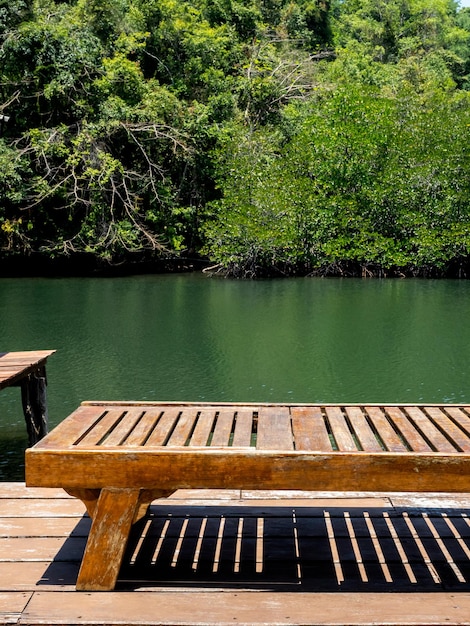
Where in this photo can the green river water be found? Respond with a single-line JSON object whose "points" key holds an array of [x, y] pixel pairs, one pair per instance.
{"points": [[193, 337]]}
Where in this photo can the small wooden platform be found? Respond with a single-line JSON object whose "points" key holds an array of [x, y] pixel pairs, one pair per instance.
{"points": [[28, 370], [244, 557], [15, 366]]}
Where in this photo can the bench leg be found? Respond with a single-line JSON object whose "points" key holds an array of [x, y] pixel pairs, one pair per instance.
{"points": [[113, 513], [112, 521]]}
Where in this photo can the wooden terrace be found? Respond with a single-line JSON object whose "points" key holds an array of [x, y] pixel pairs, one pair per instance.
{"points": [[244, 557]]}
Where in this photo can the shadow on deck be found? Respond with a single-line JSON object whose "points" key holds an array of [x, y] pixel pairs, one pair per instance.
{"points": [[288, 549]]}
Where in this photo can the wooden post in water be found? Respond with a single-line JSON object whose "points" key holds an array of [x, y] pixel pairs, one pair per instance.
{"points": [[34, 399]]}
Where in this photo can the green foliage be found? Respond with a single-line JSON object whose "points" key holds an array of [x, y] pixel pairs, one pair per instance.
{"points": [[12, 13], [364, 180], [270, 135]]}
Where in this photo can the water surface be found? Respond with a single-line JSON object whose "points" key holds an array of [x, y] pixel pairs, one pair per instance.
{"points": [[192, 337]]}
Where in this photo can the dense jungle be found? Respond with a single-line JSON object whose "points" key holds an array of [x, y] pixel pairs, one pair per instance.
{"points": [[261, 137]]}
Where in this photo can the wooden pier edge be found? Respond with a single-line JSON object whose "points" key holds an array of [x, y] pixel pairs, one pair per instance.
{"points": [[27, 370]]}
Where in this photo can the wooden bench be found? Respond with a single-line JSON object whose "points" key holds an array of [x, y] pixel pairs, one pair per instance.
{"points": [[28, 370], [118, 457]]}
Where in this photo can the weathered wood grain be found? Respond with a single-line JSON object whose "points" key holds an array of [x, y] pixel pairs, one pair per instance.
{"points": [[244, 428], [109, 533], [249, 609], [203, 428], [274, 429], [309, 429]]}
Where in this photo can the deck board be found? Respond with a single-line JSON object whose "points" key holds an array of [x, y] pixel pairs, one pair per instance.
{"points": [[260, 579], [292, 608], [16, 365]]}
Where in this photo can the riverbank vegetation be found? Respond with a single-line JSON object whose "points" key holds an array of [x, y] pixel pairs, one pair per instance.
{"points": [[269, 137]]}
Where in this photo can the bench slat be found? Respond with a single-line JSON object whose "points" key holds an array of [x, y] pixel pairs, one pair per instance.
{"points": [[429, 430], [274, 429], [391, 440], [163, 428], [123, 428], [183, 428], [455, 434], [203, 428], [309, 428], [340, 430], [412, 437], [242, 435], [140, 431], [364, 432], [101, 428], [223, 428], [460, 417]]}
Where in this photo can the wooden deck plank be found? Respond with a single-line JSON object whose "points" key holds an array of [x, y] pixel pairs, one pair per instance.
{"points": [[61, 507], [12, 605], [13, 549], [50, 527], [19, 490], [274, 429], [30, 356], [7, 370], [210, 608], [31, 575], [309, 429]]}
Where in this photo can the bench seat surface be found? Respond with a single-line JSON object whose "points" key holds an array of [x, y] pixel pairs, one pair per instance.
{"points": [[174, 445]]}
